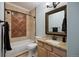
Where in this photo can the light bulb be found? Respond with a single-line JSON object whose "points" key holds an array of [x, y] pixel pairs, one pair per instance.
{"points": [[48, 3]]}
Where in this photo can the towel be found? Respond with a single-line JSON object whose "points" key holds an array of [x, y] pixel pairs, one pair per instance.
{"points": [[7, 45], [64, 25]]}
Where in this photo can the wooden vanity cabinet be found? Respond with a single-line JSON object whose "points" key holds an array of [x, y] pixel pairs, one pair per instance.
{"points": [[51, 54], [60, 52], [46, 50], [42, 52]]}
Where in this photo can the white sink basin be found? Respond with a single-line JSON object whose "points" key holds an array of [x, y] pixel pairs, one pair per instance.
{"points": [[53, 42]]}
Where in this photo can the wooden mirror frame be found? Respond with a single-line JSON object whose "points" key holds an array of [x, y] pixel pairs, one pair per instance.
{"points": [[47, 22]]}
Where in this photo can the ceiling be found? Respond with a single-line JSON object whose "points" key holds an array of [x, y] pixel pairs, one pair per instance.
{"points": [[27, 5]]}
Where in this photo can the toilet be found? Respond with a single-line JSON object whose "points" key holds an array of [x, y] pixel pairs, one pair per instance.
{"points": [[31, 49]]}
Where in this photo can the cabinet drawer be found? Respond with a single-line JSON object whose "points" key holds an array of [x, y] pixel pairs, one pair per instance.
{"points": [[51, 54], [40, 43], [48, 47], [59, 52]]}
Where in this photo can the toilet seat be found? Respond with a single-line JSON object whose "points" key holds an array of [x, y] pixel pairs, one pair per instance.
{"points": [[31, 46]]}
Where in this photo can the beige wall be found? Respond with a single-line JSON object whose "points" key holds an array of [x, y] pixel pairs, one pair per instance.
{"points": [[10, 6], [13, 7], [32, 26]]}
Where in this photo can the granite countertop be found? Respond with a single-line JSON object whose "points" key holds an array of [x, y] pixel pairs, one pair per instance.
{"points": [[54, 43]]}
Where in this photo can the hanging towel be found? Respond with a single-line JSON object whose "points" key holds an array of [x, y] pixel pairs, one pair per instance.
{"points": [[7, 45], [64, 25]]}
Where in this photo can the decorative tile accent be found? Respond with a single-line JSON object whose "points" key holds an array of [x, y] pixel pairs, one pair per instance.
{"points": [[18, 24]]}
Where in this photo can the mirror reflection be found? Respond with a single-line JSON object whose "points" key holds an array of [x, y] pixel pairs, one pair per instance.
{"points": [[56, 21]]}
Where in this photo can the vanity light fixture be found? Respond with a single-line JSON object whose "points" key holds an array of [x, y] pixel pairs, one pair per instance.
{"points": [[54, 4]]}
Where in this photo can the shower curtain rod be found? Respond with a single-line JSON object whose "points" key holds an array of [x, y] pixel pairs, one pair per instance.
{"points": [[21, 12]]}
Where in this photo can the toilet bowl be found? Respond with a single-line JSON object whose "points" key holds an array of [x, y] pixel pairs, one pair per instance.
{"points": [[31, 46], [32, 49]]}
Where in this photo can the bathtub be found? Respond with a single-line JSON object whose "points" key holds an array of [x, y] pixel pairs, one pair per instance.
{"points": [[18, 47]]}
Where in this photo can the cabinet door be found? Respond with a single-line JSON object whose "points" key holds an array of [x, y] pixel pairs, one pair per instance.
{"points": [[59, 52], [41, 52], [51, 54]]}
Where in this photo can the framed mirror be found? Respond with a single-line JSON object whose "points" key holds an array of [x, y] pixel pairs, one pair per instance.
{"points": [[56, 21]]}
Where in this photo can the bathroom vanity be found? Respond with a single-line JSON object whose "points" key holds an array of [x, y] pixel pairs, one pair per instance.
{"points": [[51, 48], [55, 25]]}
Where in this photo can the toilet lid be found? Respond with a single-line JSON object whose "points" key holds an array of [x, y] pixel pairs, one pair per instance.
{"points": [[31, 45]]}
